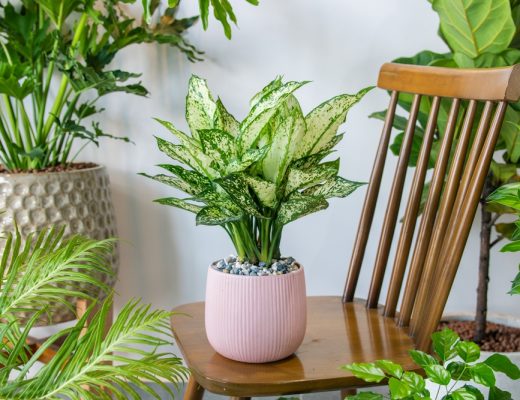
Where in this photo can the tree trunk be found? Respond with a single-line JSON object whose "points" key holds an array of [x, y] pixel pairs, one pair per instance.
{"points": [[483, 273]]}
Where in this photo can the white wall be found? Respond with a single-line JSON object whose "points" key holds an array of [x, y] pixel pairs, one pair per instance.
{"points": [[339, 45]]}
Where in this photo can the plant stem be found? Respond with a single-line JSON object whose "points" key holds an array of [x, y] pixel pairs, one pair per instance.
{"points": [[483, 275]]}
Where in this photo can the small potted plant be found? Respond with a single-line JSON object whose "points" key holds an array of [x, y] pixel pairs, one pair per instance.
{"points": [[54, 67], [252, 178], [458, 371]]}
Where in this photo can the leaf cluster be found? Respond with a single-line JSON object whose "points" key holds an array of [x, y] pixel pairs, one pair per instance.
{"points": [[455, 361], [255, 176], [47, 269]]}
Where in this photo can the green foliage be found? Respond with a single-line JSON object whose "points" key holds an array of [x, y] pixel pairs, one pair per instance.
{"points": [[222, 11], [65, 47], [456, 361], [31, 278], [509, 196], [255, 176]]}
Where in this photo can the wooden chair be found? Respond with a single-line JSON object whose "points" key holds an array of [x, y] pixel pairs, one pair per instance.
{"points": [[342, 330]]}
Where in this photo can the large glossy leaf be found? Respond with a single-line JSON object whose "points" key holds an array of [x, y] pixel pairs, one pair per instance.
{"points": [[287, 130], [200, 106], [298, 205], [262, 111], [390, 368], [369, 372], [438, 374], [483, 374], [507, 195], [515, 287], [422, 359], [323, 122], [468, 351], [498, 394], [502, 363], [444, 344], [398, 389], [475, 27]]}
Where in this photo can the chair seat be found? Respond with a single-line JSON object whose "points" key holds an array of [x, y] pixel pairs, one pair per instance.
{"points": [[337, 334]]}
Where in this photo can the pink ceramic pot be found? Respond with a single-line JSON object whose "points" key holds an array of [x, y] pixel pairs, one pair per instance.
{"points": [[255, 319]]}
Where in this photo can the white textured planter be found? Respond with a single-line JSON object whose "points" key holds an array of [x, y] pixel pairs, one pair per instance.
{"points": [[255, 319], [79, 199], [503, 382]]}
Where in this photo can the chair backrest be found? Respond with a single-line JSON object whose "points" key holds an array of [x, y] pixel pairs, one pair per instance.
{"points": [[479, 98]]}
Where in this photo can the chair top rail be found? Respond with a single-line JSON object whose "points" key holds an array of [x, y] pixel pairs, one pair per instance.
{"points": [[495, 84]]}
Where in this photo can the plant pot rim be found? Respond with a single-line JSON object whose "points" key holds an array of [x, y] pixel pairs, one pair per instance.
{"points": [[234, 276], [498, 318], [97, 167]]}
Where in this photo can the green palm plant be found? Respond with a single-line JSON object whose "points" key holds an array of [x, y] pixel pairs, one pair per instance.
{"points": [[254, 177], [86, 366]]}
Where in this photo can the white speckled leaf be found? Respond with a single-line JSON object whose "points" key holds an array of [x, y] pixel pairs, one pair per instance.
{"points": [[301, 178], [220, 146], [323, 122], [264, 190], [298, 205], [179, 203], [216, 216], [288, 129], [262, 112], [334, 187], [250, 157], [225, 121], [184, 139], [217, 197], [274, 84], [311, 161], [238, 190], [200, 106], [193, 157], [197, 181]]}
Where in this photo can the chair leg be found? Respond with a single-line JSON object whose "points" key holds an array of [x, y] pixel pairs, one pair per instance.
{"points": [[193, 390], [347, 392]]}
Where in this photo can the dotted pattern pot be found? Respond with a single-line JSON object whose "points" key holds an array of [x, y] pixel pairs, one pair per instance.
{"points": [[255, 319], [80, 200]]}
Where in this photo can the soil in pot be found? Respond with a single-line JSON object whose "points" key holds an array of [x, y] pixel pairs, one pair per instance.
{"points": [[57, 168], [231, 265], [499, 338]]}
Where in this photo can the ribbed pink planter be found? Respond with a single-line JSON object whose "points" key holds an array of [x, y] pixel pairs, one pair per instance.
{"points": [[255, 319]]}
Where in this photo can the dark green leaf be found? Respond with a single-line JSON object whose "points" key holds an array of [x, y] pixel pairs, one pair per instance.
{"points": [[444, 344], [390, 368], [298, 205], [398, 389], [501, 363], [438, 374], [483, 374], [422, 359], [216, 216], [468, 351], [459, 371], [497, 394]]}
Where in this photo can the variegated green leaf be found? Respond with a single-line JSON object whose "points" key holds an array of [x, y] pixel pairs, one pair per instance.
{"points": [[194, 158], [323, 122], [184, 139], [262, 112], [249, 157], [264, 190], [179, 203], [312, 160], [302, 178], [218, 145], [333, 142], [216, 216], [274, 84], [225, 121], [197, 181], [288, 130], [171, 181], [200, 106], [218, 199], [298, 205], [237, 188], [334, 187]]}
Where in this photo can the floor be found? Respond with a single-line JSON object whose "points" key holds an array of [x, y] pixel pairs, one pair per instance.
{"points": [[311, 396]]}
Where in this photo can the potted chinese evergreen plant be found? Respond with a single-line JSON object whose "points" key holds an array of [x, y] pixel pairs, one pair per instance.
{"points": [[252, 178], [478, 34], [82, 367], [54, 67]]}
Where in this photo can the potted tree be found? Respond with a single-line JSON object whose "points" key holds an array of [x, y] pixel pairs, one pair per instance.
{"points": [[464, 38], [252, 178], [54, 67]]}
